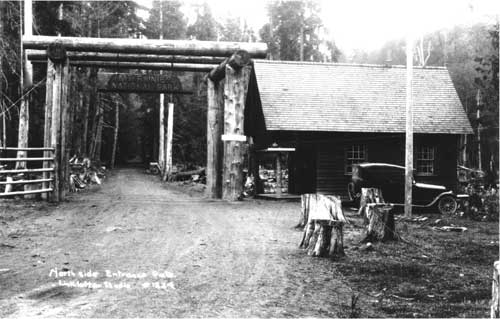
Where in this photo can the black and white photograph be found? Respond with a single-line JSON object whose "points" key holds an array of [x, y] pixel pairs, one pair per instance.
{"points": [[249, 159]]}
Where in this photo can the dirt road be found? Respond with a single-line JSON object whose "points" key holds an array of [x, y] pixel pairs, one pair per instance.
{"points": [[193, 257]]}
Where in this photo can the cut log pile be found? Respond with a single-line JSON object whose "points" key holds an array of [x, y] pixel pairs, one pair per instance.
{"points": [[323, 222], [83, 173]]}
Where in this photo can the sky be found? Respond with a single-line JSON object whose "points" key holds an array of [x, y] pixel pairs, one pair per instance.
{"points": [[364, 24]]}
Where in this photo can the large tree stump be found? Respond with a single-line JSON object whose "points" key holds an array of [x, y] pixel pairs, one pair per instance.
{"points": [[323, 230], [380, 225], [369, 195]]}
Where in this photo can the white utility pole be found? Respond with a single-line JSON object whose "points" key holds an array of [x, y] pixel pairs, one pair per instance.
{"points": [[409, 127]]}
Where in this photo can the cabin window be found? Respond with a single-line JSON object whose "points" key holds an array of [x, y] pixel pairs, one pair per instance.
{"points": [[425, 160], [354, 154]]}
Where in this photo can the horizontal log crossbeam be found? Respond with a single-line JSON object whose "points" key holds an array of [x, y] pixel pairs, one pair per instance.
{"points": [[139, 65], [147, 46], [41, 55]]}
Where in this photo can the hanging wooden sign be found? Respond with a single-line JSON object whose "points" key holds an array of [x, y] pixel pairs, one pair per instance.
{"points": [[148, 83]]}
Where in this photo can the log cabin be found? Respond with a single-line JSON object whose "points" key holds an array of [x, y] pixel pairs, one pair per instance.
{"points": [[331, 116]]}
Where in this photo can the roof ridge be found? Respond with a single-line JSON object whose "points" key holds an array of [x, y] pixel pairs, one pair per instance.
{"points": [[382, 66]]}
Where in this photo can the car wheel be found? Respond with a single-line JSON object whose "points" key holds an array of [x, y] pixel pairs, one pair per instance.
{"points": [[447, 205]]}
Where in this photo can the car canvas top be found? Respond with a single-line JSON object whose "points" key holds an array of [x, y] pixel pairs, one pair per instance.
{"points": [[380, 164]]}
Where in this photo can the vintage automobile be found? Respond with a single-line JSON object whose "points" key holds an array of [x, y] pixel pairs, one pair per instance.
{"points": [[391, 180]]}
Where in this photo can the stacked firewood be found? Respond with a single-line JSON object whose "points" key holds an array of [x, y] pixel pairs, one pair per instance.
{"points": [[84, 173]]}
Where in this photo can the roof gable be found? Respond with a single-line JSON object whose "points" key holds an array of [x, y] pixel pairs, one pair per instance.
{"points": [[305, 96]]}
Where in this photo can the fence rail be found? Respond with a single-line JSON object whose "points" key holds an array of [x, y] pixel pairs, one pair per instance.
{"points": [[26, 159], [46, 180], [27, 149]]}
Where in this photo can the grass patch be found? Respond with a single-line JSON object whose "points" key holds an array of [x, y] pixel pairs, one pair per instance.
{"points": [[429, 273]]}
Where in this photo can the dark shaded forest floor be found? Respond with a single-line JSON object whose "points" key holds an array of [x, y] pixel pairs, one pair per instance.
{"points": [[154, 250]]}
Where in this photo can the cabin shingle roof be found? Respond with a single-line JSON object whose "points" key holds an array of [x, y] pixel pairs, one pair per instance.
{"points": [[305, 96]]}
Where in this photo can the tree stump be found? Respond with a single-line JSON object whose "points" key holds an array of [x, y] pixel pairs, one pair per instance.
{"points": [[304, 210], [337, 240], [323, 230], [380, 225], [369, 195]]}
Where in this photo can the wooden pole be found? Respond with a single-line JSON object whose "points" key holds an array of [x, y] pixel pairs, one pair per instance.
{"points": [[55, 141], [147, 46], [409, 128], [41, 55], [28, 31], [48, 120], [115, 137], [170, 133], [215, 127], [23, 125], [235, 89], [161, 136], [2, 110], [278, 174], [65, 124]]}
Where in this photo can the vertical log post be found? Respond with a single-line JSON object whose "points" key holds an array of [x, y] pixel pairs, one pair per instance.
{"points": [[47, 136], [170, 136], [65, 124], [161, 136], [278, 174], [235, 90], [115, 135], [215, 127], [57, 55]]}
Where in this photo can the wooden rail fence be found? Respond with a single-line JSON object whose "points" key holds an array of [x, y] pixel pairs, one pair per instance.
{"points": [[48, 164]]}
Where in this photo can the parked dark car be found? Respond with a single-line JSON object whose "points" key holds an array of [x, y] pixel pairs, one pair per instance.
{"points": [[391, 180]]}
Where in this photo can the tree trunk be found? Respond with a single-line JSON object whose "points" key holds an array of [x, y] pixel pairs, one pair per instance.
{"points": [[381, 225], [115, 136]]}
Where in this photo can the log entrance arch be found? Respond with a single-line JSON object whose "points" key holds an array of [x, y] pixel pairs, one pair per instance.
{"points": [[228, 64]]}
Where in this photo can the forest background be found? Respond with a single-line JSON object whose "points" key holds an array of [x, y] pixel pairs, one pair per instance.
{"points": [[294, 31]]}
